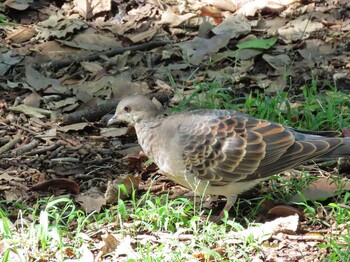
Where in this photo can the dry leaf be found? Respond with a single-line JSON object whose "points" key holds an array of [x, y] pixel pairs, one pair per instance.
{"points": [[57, 27], [174, 20], [122, 187], [92, 200], [144, 36], [92, 67], [110, 244], [5, 176], [113, 131], [86, 255], [278, 62], [31, 111], [18, 4], [92, 40], [8, 59], [322, 189], [125, 249], [298, 29], [198, 48], [58, 183], [284, 211], [39, 82], [21, 34], [73, 127], [14, 194], [55, 105], [33, 100], [249, 8]]}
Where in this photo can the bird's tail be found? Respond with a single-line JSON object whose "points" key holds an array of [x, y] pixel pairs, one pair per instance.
{"points": [[341, 151]]}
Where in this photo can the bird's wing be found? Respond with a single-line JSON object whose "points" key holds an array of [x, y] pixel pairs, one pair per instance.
{"points": [[222, 146]]}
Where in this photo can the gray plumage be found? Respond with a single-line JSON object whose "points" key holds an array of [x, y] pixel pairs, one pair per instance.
{"points": [[222, 152]]}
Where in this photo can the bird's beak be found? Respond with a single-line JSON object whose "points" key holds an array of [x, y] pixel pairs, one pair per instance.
{"points": [[113, 120]]}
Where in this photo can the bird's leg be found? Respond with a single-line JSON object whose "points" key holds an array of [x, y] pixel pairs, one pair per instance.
{"points": [[229, 203], [210, 199]]}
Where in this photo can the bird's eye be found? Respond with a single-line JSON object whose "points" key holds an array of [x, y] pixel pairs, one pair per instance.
{"points": [[127, 109]]}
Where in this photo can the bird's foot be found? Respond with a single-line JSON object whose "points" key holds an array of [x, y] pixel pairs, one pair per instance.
{"points": [[209, 201], [227, 207]]}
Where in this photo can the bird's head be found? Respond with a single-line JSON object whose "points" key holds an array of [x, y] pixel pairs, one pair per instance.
{"points": [[133, 109]]}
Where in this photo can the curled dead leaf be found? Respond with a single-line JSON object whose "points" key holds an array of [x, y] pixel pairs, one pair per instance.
{"points": [[213, 12], [285, 211], [122, 187], [59, 183]]}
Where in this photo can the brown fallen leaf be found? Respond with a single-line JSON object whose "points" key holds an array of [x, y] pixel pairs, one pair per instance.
{"points": [[205, 256], [285, 211], [73, 127], [22, 34], [59, 183], [7, 177], [136, 162], [122, 187], [86, 255], [31, 111], [32, 99], [15, 193], [91, 200], [213, 12], [109, 245], [113, 131], [322, 189]]}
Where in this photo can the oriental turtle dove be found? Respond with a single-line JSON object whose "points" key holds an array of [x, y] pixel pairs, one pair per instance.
{"points": [[222, 152]]}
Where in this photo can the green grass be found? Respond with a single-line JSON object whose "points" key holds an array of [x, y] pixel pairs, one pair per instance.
{"points": [[311, 110], [55, 230], [3, 21]]}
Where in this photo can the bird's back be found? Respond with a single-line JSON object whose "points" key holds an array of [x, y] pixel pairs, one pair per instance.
{"points": [[223, 146]]}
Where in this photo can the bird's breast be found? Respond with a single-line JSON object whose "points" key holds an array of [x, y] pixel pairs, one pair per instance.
{"points": [[163, 148]]}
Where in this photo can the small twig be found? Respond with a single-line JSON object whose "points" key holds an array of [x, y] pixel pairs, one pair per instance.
{"points": [[344, 206], [18, 184], [155, 188], [4, 140], [44, 149], [91, 113], [64, 159], [25, 148], [55, 152], [97, 161], [181, 237], [306, 238], [10, 144], [24, 128]]}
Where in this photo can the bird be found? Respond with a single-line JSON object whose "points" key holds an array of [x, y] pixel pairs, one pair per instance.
{"points": [[222, 152]]}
